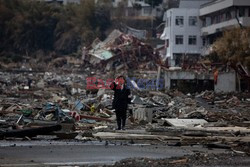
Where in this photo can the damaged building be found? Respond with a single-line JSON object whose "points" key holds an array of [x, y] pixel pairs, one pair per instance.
{"points": [[121, 51]]}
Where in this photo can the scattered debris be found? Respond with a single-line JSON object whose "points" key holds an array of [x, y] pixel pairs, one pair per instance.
{"points": [[59, 104], [122, 51]]}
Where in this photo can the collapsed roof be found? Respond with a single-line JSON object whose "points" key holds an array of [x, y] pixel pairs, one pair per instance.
{"points": [[121, 49]]}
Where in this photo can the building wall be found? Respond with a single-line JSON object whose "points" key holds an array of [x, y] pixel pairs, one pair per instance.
{"points": [[245, 21], [214, 22], [218, 5], [226, 82], [187, 9], [191, 4], [116, 3], [145, 11], [172, 30], [140, 2], [184, 75], [214, 18], [215, 6]]}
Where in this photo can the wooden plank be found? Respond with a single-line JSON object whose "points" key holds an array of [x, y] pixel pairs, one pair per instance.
{"points": [[126, 136], [94, 118]]}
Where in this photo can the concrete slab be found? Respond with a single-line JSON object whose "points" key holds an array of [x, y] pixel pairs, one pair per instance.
{"points": [[185, 122], [137, 100], [226, 82]]}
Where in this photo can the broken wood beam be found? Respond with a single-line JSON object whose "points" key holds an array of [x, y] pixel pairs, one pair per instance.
{"points": [[30, 132], [128, 136], [208, 131], [94, 118]]}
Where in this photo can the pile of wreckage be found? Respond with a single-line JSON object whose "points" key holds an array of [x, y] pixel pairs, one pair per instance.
{"points": [[59, 106], [40, 103], [120, 51]]}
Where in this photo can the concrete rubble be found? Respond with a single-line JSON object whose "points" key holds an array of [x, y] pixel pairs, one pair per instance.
{"points": [[35, 105], [60, 104]]}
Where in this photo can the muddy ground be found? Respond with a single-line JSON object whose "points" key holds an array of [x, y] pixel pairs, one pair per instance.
{"points": [[196, 160]]}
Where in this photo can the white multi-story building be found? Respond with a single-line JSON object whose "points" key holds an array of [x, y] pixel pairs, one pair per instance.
{"points": [[186, 40], [220, 15], [182, 33]]}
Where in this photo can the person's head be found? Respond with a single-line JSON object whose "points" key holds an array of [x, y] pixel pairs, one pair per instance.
{"points": [[120, 80]]}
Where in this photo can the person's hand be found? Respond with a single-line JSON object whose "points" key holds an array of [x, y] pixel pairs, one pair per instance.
{"points": [[116, 81]]}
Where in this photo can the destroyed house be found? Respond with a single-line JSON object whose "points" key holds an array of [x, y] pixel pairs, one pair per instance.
{"points": [[120, 50]]}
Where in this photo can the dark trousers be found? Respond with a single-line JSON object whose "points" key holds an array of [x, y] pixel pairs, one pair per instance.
{"points": [[121, 118]]}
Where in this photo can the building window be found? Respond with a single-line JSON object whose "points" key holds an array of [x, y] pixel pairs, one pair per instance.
{"points": [[167, 43], [147, 10], [241, 12], [179, 39], [234, 14], [217, 19], [192, 20], [204, 23], [179, 20], [222, 17], [192, 40], [228, 15], [212, 20], [204, 42], [208, 21]]}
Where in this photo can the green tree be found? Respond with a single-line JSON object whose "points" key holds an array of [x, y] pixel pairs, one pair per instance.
{"points": [[80, 25], [27, 26], [30, 26]]}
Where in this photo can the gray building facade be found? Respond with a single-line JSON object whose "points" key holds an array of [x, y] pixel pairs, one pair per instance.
{"points": [[219, 15]]}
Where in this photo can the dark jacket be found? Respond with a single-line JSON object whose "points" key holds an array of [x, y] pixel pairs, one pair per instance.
{"points": [[121, 99]]}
